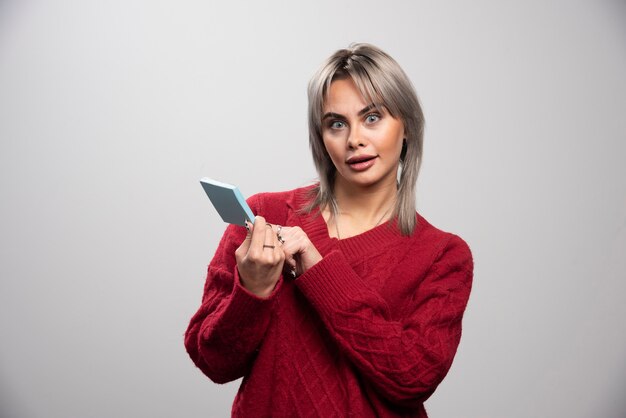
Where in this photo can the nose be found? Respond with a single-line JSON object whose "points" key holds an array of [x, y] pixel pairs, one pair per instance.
{"points": [[356, 137]]}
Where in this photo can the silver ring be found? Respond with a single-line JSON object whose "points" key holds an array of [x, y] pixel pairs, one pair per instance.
{"points": [[280, 237], [269, 246]]}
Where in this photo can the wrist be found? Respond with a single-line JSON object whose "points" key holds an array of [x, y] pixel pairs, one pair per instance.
{"points": [[262, 291]]}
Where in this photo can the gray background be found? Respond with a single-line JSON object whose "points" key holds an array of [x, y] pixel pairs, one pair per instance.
{"points": [[111, 111]]}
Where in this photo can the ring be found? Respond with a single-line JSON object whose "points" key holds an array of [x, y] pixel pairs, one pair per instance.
{"points": [[269, 246], [280, 237]]}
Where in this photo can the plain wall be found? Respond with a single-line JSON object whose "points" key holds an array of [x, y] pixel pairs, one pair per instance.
{"points": [[111, 111]]}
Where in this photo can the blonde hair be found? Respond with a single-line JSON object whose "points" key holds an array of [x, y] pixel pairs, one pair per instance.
{"points": [[380, 80]]}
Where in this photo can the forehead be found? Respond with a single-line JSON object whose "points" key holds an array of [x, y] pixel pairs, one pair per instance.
{"points": [[343, 95]]}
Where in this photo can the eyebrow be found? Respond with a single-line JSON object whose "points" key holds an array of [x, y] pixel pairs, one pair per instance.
{"points": [[361, 112]]}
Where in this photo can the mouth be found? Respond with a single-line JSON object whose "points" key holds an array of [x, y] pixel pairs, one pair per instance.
{"points": [[361, 162]]}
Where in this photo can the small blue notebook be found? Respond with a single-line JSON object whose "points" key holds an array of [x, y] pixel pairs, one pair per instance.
{"points": [[228, 201]]}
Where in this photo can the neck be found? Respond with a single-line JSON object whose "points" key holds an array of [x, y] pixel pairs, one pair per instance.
{"points": [[360, 209]]}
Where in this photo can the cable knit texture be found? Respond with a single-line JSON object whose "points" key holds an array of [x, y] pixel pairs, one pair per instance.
{"points": [[369, 331]]}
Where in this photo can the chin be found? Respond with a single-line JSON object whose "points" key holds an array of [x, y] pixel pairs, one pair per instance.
{"points": [[363, 182]]}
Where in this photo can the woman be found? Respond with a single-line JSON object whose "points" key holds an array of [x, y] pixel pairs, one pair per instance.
{"points": [[341, 300]]}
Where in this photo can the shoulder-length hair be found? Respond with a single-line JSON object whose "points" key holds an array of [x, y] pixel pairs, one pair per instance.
{"points": [[381, 81]]}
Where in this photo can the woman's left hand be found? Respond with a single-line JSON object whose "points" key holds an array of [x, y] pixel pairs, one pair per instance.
{"points": [[300, 253]]}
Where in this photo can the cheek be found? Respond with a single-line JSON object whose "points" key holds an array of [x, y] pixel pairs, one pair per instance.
{"points": [[397, 139], [330, 149], [392, 143], [400, 144]]}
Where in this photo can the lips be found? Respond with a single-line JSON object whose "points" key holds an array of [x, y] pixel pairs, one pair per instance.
{"points": [[361, 162]]}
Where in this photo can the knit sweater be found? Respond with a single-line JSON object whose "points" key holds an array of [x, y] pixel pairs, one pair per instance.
{"points": [[370, 330]]}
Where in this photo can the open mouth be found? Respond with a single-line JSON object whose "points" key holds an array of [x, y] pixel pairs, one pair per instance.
{"points": [[361, 162]]}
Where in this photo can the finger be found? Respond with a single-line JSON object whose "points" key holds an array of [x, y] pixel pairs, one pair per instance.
{"points": [[270, 242], [291, 240], [276, 228], [289, 271], [258, 233], [290, 261], [278, 231], [246, 242], [249, 229], [290, 249]]}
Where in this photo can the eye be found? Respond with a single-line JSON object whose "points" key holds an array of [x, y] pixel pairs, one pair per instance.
{"points": [[372, 118], [337, 124]]}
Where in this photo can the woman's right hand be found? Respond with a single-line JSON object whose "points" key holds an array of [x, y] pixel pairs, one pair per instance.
{"points": [[260, 258]]}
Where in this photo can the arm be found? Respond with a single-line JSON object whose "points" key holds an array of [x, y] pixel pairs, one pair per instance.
{"points": [[404, 360], [224, 334]]}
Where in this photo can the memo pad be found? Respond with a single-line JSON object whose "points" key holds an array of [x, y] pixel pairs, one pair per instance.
{"points": [[228, 201]]}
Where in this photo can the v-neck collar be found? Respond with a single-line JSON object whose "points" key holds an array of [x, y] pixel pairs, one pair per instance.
{"points": [[366, 243]]}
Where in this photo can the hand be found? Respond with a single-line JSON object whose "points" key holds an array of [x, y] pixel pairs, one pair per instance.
{"points": [[300, 253], [260, 258]]}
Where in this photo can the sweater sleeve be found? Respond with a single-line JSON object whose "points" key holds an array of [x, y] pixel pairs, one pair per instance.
{"points": [[228, 328], [404, 360]]}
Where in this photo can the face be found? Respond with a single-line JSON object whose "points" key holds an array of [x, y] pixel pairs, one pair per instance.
{"points": [[363, 142]]}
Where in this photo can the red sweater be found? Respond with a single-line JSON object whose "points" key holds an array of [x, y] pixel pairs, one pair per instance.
{"points": [[370, 330]]}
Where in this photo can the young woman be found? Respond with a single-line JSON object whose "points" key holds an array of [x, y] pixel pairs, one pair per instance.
{"points": [[341, 300]]}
